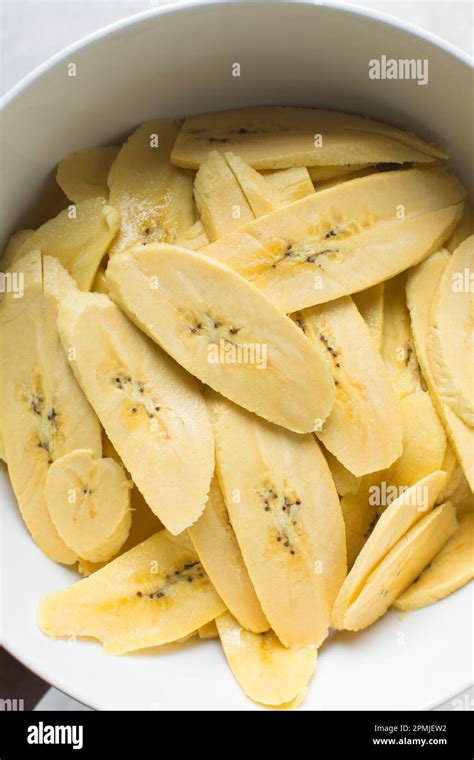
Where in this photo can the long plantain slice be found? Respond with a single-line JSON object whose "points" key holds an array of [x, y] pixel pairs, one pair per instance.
{"points": [[154, 594], [83, 174], [285, 512], [268, 672], [225, 332], [451, 569], [421, 286], [219, 198], [363, 430], [370, 303], [395, 522], [89, 503], [401, 566], [344, 239], [450, 340], [151, 410], [262, 196], [154, 198], [79, 237], [293, 184], [216, 544], [276, 137], [43, 410]]}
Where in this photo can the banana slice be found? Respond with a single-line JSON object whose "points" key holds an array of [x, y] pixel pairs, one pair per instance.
{"points": [[225, 332], [154, 594], [262, 196], [268, 672], [43, 410], [450, 341], [344, 239], [293, 184], [194, 238], [151, 410], [89, 503], [285, 512], [371, 307], [78, 237], [464, 229], [401, 566], [421, 286], [394, 523], [216, 544], [360, 515], [219, 198], [363, 430], [208, 631], [344, 480], [83, 174], [100, 284], [276, 137], [451, 569], [154, 198]]}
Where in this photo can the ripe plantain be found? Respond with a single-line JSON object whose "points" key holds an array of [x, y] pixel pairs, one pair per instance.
{"points": [[83, 174], [261, 195]]}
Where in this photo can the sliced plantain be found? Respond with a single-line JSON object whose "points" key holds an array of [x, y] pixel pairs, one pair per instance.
{"points": [[88, 501], [344, 239], [344, 480], [151, 410], [219, 198], [285, 512], [100, 284], [216, 544], [360, 515], [364, 430], [261, 195], [395, 522], [225, 332], [450, 340], [276, 137], [401, 566], [371, 307], [421, 286], [208, 630], [293, 184], [155, 199], [451, 569], [154, 594], [268, 672], [323, 173], [83, 174], [43, 410], [464, 229], [15, 243], [194, 238], [78, 237]]}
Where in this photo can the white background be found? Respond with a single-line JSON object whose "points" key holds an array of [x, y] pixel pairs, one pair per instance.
{"points": [[33, 30]]}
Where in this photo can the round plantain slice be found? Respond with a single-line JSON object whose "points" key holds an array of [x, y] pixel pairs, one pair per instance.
{"points": [[268, 672], [89, 503], [83, 174], [225, 332]]}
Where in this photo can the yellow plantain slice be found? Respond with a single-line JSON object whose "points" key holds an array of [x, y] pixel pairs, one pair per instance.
{"points": [[10, 254], [208, 630], [344, 239], [276, 137], [464, 229], [293, 184], [83, 174], [194, 238], [371, 307], [154, 594], [401, 566], [285, 512], [451, 569], [268, 672], [262, 196], [344, 480], [323, 173], [395, 522], [225, 332], [450, 341], [216, 544], [219, 198], [89, 503]]}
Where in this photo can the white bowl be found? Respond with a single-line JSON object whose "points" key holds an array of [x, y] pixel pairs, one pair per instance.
{"points": [[174, 61]]}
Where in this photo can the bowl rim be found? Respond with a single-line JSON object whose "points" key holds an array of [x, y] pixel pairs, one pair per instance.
{"points": [[186, 6]]}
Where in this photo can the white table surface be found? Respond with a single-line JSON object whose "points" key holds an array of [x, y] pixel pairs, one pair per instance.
{"points": [[33, 30]]}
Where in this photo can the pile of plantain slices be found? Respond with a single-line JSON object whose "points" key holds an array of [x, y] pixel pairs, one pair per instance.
{"points": [[236, 386]]}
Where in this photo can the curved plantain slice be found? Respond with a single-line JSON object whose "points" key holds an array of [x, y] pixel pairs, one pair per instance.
{"points": [[268, 672], [261, 195], [370, 304], [155, 199], [151, 410], [195, 237], [154, 594], [285, 512], [363, 430], [401, 566], [216, 544], [450, 339], [43, 410], [208, 630], [83, 174], [293, 184], [451, 569], [78, 237], [225, 332], [421, 286], [278, 137], [344, 480], [89, 503], [344, 239], [464, 229], [394, 523]]}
